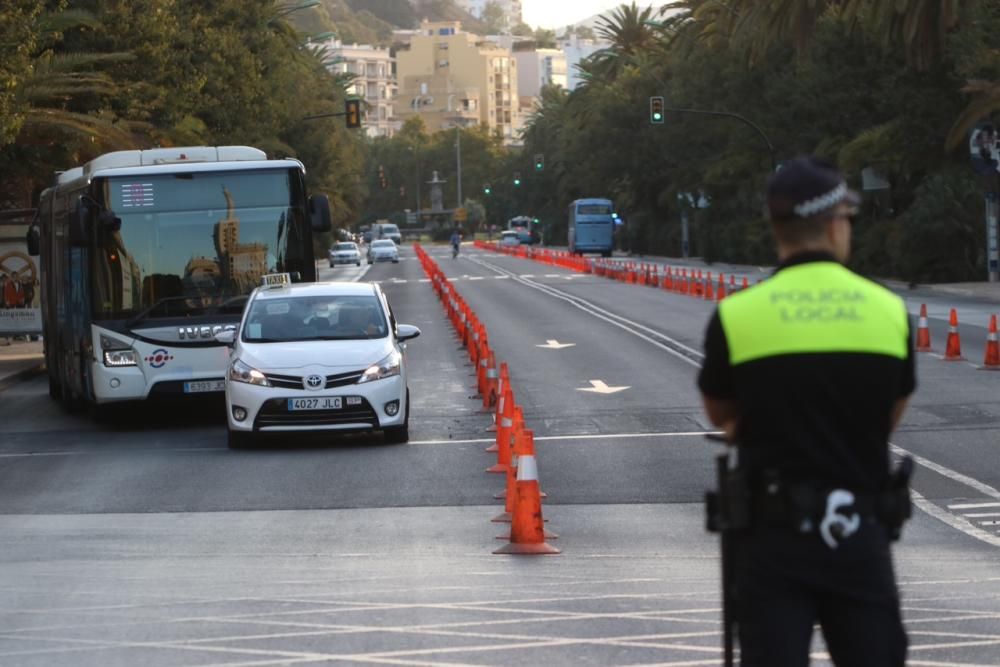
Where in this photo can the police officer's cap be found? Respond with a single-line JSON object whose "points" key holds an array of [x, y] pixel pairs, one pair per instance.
{"points": [[806, 187]]}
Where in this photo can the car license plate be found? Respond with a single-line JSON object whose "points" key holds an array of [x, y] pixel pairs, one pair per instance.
{"points": [[324, 403], [200, 386]]}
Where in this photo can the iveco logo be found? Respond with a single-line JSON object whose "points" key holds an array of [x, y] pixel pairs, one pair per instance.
{"points": [[207, 331], [313, 382]]}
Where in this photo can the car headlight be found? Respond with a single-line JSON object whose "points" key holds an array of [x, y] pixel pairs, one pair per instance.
{"points": [[383, 369], [240, 372]]}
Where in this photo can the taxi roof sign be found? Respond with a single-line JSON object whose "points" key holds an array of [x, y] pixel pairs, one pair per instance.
{"points": [[271, 280]]}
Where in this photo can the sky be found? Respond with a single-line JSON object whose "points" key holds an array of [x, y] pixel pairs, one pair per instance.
{"points": [[559, 13]]}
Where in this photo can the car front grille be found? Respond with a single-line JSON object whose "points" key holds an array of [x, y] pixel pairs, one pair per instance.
{"points": [[275, 412], [295, 381]]}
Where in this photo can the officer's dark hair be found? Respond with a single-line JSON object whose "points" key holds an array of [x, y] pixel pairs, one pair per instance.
{"points": [[798, 231]]}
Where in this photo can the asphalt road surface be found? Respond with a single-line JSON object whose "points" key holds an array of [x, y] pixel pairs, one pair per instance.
{"points": [[146, 541]]}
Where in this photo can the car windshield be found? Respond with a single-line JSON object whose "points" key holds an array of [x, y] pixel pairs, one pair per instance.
{"points": [[383, 244], [345, 246], [390, 229], [314, 317]]}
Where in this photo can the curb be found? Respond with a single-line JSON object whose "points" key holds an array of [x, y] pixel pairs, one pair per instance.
{"points": [[21, 375]]}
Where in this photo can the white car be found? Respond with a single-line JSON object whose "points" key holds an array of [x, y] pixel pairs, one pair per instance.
{"points": [[345, 252], [383, 250], [317, 357], [508, 239]]}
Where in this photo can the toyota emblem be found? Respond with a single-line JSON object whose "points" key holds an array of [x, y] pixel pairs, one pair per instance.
{"points": [[314, 382]]}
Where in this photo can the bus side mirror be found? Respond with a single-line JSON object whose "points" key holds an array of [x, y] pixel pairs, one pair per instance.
{"points": [[78, 220], [109, 222], [319, 212], [32, 241]]}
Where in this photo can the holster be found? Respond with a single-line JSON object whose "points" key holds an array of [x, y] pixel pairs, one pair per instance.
{"points": [[727, 508]]}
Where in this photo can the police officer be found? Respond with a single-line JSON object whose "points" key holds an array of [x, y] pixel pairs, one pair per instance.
{"points": [[808, 373]]}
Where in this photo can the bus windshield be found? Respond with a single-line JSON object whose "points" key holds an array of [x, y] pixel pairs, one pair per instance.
{"points": [[192, 243]]}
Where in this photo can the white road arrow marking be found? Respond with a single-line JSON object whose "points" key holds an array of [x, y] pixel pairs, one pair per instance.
{"points": [[600, 388], [555, 345]]}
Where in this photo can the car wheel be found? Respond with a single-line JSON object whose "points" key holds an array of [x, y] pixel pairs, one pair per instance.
{"points": [[359, 262], [398, 435], [239, 439], [369, 261], [331, 265]]}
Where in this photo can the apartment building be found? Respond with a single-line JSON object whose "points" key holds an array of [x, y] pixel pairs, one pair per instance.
{"points": [[375, 82], [576, 50], [456, 79], [537, 68]]}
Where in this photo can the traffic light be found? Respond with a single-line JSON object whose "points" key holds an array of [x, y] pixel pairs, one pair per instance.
{"points": [[656, 110], [383, 182], [517, 178], [539, 162], [487, 190], [352, 109]]}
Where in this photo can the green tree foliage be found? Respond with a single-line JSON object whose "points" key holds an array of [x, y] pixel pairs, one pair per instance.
{"points": [[869, 85], [18, 38], [170, 72]]}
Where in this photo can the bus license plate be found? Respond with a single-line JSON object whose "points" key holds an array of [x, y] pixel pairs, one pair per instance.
{"points": [[204, 385], [325, 403]]}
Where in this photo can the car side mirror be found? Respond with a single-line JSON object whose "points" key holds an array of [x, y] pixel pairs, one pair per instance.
{"points": [[406, 332], [319, 212], [227, 337], [109, 222]]}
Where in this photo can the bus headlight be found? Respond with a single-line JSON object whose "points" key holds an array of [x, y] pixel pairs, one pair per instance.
{"points": [[240, 372], [383, 369], [117, 353], [119, 358]]}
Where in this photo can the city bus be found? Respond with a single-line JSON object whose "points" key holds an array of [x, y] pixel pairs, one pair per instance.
{"points": [[591, 226], [522, 225], [146, 254]]}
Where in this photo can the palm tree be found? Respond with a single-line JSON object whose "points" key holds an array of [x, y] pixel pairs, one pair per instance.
{"points": [[629, 31], [919, 27], [986, 101], [55, 80]]}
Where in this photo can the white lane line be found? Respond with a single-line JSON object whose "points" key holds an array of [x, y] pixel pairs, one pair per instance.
{"points": [[984, 489], [590, 436], [501, 277], [972, 506], [955, 522], [676, 348], [980, 515], [475, 278]]}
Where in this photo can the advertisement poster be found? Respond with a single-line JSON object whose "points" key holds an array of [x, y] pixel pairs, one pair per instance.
{"points": [[20, 294]]}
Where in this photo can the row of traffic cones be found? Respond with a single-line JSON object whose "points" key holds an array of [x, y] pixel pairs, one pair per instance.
{"points": [[953, 344], [514, 445], [692, 282]]}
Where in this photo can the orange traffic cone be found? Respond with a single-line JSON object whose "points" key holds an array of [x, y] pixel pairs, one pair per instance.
{"points": [[923, 332], [505, 419], [505, 442], [953, 346], [992, 361], [527, 528], [502, 381], [720, 293], [709, 292], [491, 383]]}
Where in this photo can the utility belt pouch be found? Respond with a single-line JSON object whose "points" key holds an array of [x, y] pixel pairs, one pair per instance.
{"points": [[894, 505]]}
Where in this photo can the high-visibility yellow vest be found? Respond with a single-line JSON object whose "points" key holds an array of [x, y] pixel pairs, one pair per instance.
{"points": [[815, 307]]}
